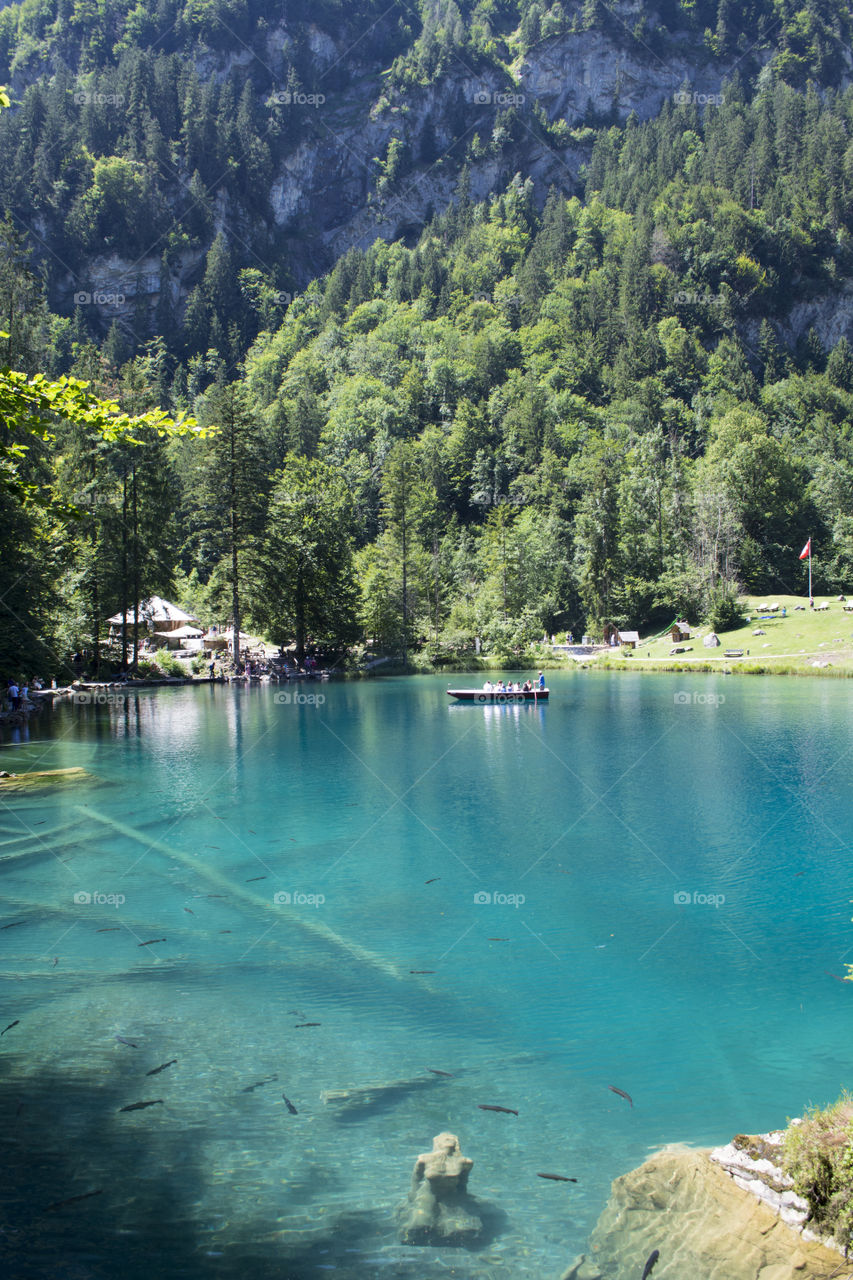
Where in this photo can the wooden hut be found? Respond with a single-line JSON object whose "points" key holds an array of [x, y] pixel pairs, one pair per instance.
{"points": [[156, 615], [679, 631], [629, 639]]}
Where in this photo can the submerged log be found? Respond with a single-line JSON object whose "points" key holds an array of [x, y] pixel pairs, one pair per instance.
{"points": [[43, 778]]}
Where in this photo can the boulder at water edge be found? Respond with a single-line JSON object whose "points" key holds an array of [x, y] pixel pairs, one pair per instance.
{"points": [[703, 1224]]}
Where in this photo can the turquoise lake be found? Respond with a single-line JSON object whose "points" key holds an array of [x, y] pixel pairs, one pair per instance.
{"points": [[644, 885]]}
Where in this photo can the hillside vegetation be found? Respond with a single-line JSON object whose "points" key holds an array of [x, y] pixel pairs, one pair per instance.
{"points": [[527, 419]]}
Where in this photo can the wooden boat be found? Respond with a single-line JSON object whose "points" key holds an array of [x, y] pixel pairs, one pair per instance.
{"points": [[497, 696]]}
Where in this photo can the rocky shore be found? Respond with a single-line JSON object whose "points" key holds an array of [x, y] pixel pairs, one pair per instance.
{"points": [[727, 1214]]}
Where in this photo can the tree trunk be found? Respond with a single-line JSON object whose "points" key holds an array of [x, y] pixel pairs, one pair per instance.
{"points": [[137, 585], [404, 547], [235, 585], [300, 617], [124, 572]]}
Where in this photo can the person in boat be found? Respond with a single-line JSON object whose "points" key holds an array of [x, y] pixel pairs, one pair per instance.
{"points": [[527, 687], [541, 681], [487, 687]]}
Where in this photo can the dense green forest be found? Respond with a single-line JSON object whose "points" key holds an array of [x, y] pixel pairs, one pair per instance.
{"points": [[528, 418]]}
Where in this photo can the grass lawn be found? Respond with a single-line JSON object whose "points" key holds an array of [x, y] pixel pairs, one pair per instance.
{"points": [[805, 641]]}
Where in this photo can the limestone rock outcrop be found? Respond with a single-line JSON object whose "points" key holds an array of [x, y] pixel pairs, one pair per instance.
{"points": [[703, 1224]]}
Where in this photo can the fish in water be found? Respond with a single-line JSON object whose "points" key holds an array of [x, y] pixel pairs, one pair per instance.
{"points": [[433, 880], [140, 1106], [555, 1177], [254, 878], [422, 971], [650, 1262], [114, 929], [10, 1026], [189, 913], [150, 942], [836, 976], [307, 1024], [224, 930], [14, 925], [622, 1093], [250, 1088], [507, 1110], [87, 1195], [436, 1072], [155, 1071], [290, 1105], [122, 1040], [498, 939]]}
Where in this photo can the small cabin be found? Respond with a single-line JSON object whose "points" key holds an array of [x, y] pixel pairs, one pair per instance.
{"points": [[629, 639], [679, 631]]}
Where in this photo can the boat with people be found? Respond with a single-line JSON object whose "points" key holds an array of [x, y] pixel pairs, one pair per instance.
{"points": [[502, 693]]}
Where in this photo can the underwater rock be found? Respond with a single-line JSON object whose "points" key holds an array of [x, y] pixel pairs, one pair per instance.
{"points": [[439, 1209], [683, 1204]]}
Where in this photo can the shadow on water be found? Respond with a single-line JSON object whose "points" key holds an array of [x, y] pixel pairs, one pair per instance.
{"points": [[65, 1138]]}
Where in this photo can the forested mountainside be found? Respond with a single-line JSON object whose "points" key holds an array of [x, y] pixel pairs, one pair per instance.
{"points": [[296, 131], [585, 355]]}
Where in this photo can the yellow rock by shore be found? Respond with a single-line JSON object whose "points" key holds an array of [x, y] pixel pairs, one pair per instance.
{"points": [[704, 1226]]}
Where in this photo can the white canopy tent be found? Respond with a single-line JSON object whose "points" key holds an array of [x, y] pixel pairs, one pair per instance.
{"points": [[176, 638]]}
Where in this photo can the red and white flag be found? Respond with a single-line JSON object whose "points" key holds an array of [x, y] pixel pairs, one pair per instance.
{"points": [[807, 550]]}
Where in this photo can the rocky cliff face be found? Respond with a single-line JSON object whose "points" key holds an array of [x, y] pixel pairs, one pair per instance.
{"points": [[325, 196]]}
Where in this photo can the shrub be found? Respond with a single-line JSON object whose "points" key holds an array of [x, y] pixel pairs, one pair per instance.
{"points": [[169, 665], [818, 1155], [724, 611]]}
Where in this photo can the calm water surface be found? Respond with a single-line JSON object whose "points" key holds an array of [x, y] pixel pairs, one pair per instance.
{"points": [[645, 884]]}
